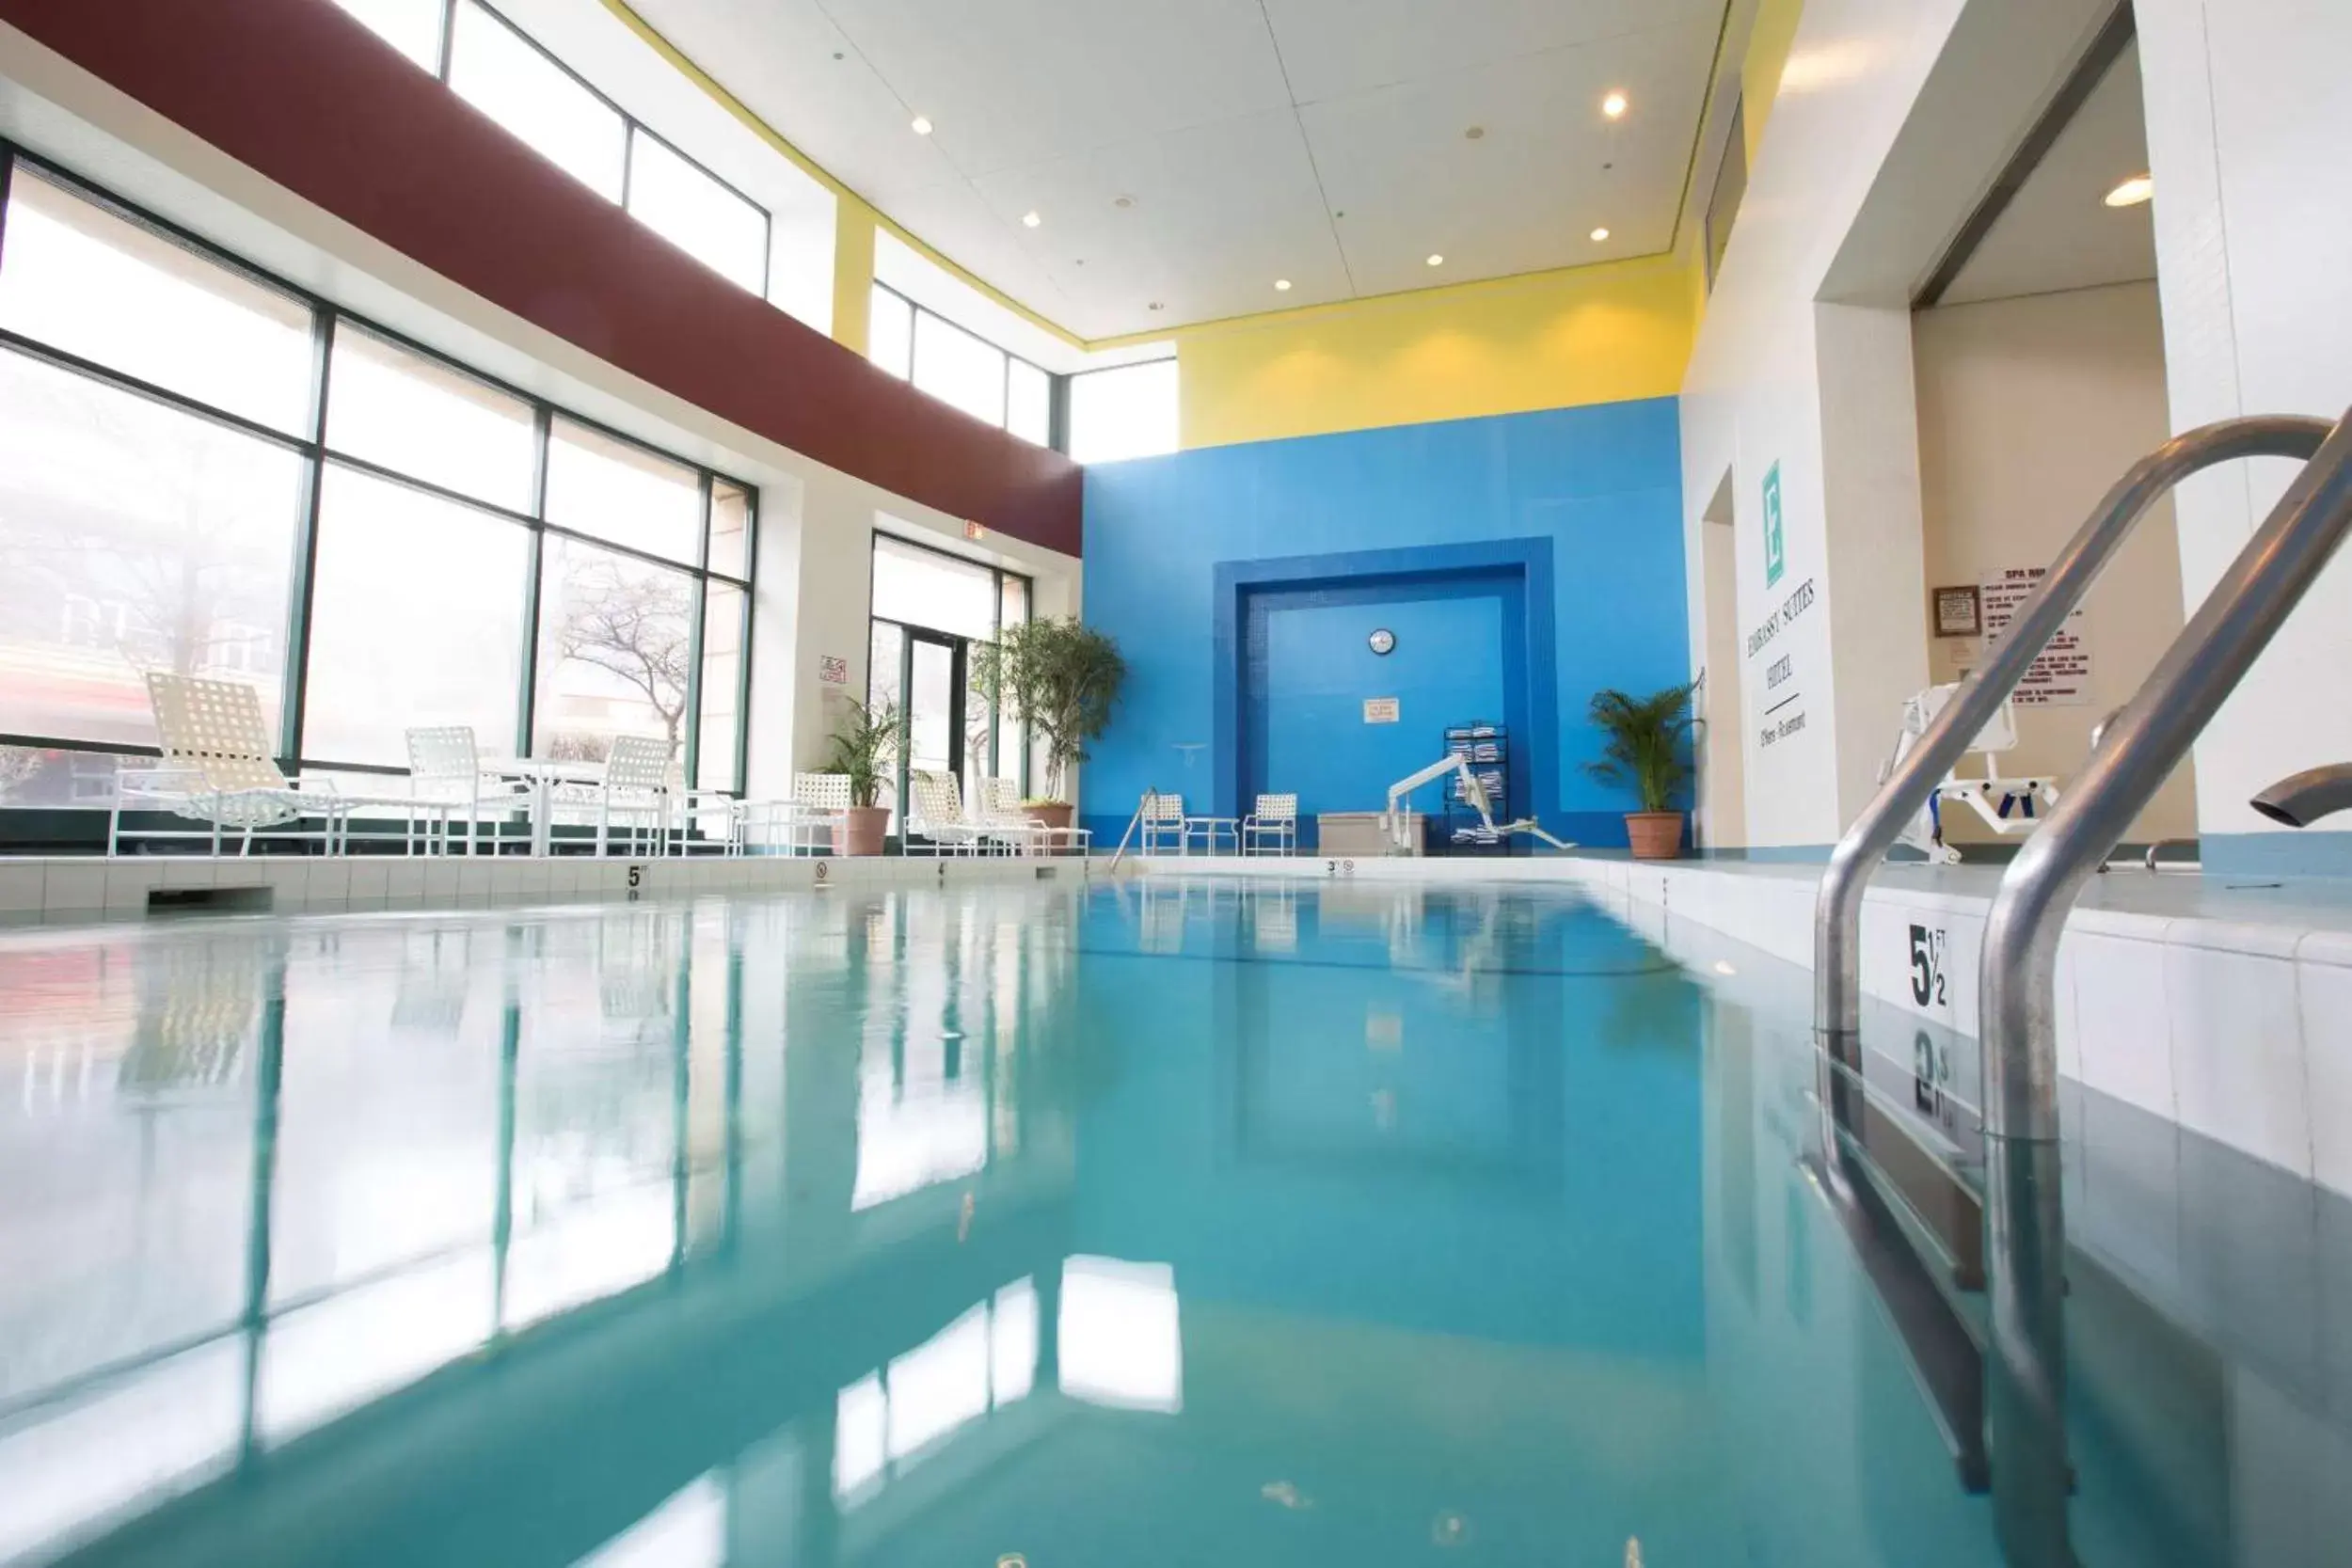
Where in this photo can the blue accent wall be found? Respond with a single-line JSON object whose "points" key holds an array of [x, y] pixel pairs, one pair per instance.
{"points": [[1524, 561]]}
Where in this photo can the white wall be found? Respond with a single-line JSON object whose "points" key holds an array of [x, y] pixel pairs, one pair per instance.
{"points": [[1761, 376], [2029, 409], [1892, 118], [2249, 115]]}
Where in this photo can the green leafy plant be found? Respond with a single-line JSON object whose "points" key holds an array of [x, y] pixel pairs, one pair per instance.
{"points": [[864, 743], [1063, 676], [1645, 743]]}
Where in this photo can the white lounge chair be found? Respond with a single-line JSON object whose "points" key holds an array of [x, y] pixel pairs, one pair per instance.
{"points": [[445, 776], [938, 817], [217, 768], [1272, 828]]}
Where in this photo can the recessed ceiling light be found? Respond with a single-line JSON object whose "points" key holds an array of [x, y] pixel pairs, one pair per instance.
{"points": [[1159, 305], [1282, 284], [1122, 201], [1614, 105], [1436, 260], [922, 125], [1474, 134], [1599, 234], [1030, 219], [2132, 192]]}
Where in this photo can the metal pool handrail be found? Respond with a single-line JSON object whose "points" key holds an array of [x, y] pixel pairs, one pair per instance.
{"points": [[1837, 917], [2017, 987]]}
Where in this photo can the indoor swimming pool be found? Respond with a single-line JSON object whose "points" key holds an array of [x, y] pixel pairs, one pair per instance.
{"points": [[1045, 1225]]}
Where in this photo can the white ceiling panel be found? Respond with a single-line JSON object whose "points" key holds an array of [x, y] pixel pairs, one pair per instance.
{"points": [[1333, 47], [1528, 193], [1017, 81], [1213, 215], [1241, 131], [2059, 233]]}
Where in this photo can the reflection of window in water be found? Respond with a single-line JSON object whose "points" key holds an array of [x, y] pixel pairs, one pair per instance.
{"points": [[922, 1114], [929, 1125], [1120, 1342], [690, 1531], [893, 1419]]}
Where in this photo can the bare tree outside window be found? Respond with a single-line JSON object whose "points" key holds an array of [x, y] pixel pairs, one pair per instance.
{"points": [[619, 653]]}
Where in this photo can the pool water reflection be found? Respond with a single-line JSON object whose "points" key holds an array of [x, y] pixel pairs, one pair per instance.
{"points": [[1137, 1224]]}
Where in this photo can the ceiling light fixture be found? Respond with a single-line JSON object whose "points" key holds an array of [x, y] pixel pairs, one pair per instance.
{"points": [[1436, 260], [1614, 105], [1030, 221], [1159, 305], [1599, 234], [1282, 284], [2132, 192], [1476, 133], [922, 125]]}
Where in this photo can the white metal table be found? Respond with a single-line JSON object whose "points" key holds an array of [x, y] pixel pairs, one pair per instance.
{"points": [[543, 774], [1208, 828]]}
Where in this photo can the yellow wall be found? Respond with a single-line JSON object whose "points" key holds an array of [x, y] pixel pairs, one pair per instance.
{"points": [[1545, 340], [1768, 41]]}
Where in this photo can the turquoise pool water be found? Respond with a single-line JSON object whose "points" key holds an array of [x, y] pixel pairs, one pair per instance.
{"points": [[1151, 1224]]}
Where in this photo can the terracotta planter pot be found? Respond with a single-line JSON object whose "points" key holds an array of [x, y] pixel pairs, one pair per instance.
{"points": [[861, 831], [1054, 813], [1656, 836]]}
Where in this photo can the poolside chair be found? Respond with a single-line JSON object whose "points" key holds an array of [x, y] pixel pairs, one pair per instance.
{"points": [[1272, 828], [1001, 810], [719, 812], [217, 768], [938, 817], [633, 796], [1160, 823], [802, 825], [445, 776]]}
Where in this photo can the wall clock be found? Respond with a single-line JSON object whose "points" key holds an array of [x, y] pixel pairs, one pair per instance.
{"points": [[1382, 642]]}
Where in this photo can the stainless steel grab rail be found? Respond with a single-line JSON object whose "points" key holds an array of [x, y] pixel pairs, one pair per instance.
{"points": [[1837, 915], [2017, 986]]}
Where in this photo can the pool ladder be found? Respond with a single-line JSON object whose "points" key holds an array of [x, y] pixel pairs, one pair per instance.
{"points": [[2025, 1376]]}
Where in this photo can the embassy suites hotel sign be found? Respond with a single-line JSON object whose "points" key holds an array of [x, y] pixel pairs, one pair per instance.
{"points": [[1784, 685]]}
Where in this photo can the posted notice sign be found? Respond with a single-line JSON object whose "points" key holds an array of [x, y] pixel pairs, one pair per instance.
{"points": [[1380, 710], [2060, 677]]}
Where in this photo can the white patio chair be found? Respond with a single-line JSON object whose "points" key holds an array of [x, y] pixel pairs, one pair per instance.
{"points": [[633, 796], [445, 777], [1160, 824], [938, 816], [718, 811], [217, 768], [1274, 823], [802, 825]]}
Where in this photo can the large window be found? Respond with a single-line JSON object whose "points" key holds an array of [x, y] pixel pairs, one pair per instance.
{"points": [[1127, 412], [371, 536], [957, 367], [563, 120], [494, 66]]}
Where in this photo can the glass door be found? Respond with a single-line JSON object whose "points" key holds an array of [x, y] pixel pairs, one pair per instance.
{"points": [[931, 729]]}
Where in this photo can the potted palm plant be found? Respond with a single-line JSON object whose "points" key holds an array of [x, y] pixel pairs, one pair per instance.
{"points": [[1063, 677], [1646, 746], [863, 743]]}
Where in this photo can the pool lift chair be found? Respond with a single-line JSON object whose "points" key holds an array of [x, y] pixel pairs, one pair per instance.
{"points": [[1396, 823], [2009, 806]]}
